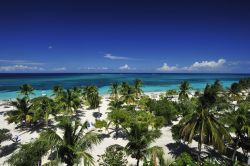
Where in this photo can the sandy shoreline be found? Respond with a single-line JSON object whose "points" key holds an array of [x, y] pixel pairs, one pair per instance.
{"points": [[26, 136]]}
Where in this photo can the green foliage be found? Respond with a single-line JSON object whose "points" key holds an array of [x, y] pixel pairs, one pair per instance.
{"points": [[164, 108], [101, 124], [184, 160], [176, 132], [212, 163], [29, 154], [186, 107], [68, 102], [73, 144], [118, 117], [184, 90], [91, 95], [142, 103], [114, 91], [141, 134], [26, 90], [244, 83], [57, 91], [238, 121], [21, 113], [127, 94], [137, 88], [41, 108], [113, 156]]}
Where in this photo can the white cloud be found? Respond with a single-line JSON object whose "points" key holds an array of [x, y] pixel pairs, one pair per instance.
{"points": [[16, 68], [109, 56], [60, 69], [50, 47], [207, 65], [165, 67], [202, 66], [19, 62], [125, 67]]}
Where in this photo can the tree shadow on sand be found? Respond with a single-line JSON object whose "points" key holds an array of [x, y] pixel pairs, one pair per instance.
{"points": [[8, 149], [177, 148], [78, 114], [226, 157]]}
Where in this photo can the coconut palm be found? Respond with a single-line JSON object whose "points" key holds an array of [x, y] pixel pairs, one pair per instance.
{"points": [[26, 90], [114, 91], [57, 90], [29, 154], [204, 124], [234, 92], [91, 95], [117, 117], [115, 104], [128, 93], [124, 88], [239, 122], [137, 88], [94, 100], [42, 107], [88, 90], [21, 113], [69, 102], [139, 139], [184, 88], [70, 147]]}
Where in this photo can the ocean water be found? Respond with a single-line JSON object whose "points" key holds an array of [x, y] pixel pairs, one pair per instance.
{"points": [[43, 83]]}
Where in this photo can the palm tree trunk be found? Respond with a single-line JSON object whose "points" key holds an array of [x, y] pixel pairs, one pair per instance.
{"points": [[116, 130], [39, 162], [199, 153], [138, 161], [235, 148], [154, 160]]}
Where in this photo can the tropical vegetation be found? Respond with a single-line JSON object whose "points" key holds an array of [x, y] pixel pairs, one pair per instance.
{"points": [[215, 118]]}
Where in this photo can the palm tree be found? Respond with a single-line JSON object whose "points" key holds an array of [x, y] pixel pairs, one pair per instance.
{"points": [[137, 88], [204, 124], [234, 92], [57, 90], [128, 95], [21, 113], [71, 146], [184, 88], [88, 90], [117, 117], [94, 100], [238, 121], [29, 154], [42, 107], [115, 104], [114, 91], [91, 95], [139, 139], [124, 88], [69, 101], [26, 90]]}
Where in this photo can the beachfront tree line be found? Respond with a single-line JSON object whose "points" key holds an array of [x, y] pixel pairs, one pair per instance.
{"points": [[217, 118]]}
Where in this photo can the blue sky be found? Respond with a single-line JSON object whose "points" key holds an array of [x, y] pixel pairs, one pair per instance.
{"points": [[125, 36]]}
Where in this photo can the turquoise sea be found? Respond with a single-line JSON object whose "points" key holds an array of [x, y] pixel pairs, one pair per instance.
{"points": [[43, 83]]}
